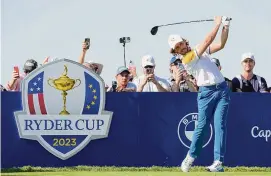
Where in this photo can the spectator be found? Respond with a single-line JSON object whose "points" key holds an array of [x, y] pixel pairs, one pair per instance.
{"points": [[248, 81], [180, 81], [149, 82], [123, 84], [94, 66], [15, 83], [217, 62]]}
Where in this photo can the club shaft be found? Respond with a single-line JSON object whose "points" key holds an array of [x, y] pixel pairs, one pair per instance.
{"points": [[195, 21]]}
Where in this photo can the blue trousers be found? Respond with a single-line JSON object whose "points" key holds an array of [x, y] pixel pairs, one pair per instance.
{"points": [[213, 102]]}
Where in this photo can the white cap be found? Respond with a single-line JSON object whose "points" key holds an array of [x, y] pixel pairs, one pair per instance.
{"points": [[147, 60], [247, 55], [173, 40]]}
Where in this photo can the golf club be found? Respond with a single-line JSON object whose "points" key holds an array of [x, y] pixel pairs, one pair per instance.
{"points": [[154, 30]]}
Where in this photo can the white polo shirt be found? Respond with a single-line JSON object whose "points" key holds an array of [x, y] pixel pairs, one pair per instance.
{"points": [[203, 69], [150, 86]]}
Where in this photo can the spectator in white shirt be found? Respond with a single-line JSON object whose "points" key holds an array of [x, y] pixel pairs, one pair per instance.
{"points": [[149, 82]]}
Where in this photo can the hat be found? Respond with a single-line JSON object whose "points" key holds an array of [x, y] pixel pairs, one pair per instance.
{"points": [[147, 60], [216, 61], [122, 69], [30, 65], [173, 40], [100, 66], [247, 55], [173, 59]]}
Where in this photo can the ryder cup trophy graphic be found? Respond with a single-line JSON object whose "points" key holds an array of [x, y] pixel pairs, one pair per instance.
{"points": [[64, 84]]}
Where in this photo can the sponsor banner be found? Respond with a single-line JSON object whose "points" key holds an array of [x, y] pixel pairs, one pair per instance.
{"points": [[146, 129]]}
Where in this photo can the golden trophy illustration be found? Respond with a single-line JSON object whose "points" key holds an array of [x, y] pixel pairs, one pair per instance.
{"points": [[64, 84]]}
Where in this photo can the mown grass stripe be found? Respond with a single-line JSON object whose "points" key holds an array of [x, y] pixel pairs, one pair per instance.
{"points": [[126, 169]]}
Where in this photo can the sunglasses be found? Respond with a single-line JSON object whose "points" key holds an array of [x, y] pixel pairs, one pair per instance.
{"points": [[248, 60], [148, 66]]}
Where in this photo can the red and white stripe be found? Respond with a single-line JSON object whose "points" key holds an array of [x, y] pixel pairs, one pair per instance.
{"points": [[36, 104]]}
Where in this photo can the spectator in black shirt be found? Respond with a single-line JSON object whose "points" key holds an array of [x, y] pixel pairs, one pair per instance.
{"points": [[217, 62], [248, 81]]}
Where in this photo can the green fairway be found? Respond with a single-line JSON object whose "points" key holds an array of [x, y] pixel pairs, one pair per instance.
{"points": [[136, 174]]}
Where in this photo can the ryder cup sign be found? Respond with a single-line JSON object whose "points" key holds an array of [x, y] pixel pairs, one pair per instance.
{"points": [[63, 108]]}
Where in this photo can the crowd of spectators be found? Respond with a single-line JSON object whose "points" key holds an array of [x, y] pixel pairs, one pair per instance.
{"points": [[179, 80]]}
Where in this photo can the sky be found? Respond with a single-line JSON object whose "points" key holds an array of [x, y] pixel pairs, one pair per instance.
{"points": [[56, 28]]}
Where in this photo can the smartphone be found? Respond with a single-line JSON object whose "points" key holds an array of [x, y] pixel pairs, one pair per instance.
{"points": [[114, 85], [181, 67], [87, 41], [16, 69]]}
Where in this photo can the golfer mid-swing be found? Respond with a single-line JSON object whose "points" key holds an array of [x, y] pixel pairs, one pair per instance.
{"points": [[213, 96]]}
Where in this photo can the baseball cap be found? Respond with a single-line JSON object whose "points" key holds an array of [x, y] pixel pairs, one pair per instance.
{"points": [[147, 60], [216, 61], [247, 55], [173, 40], [122, 69], [173, 59], [30, 65]]}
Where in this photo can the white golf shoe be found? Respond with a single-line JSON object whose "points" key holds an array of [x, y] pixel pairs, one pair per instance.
{"points": [[216, 167], [187, 163]]}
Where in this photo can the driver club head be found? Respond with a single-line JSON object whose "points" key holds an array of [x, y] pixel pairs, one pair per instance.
{"points": [[154, 30]]}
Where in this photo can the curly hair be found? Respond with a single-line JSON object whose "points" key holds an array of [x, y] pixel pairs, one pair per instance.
{"points": [[173, 52]]}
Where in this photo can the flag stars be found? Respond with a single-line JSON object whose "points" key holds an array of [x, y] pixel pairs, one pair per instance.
{"points": [[38, 89], [94, 99], [39, 78], [35, 83], [31, 89]]}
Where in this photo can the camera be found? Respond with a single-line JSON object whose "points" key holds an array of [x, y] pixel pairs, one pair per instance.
{"points": [[125, 40], [114, 86], [148, 70]]}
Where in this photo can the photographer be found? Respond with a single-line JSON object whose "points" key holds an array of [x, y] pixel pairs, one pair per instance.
{"points": [[180, 81], [122, 84], [149, 82], [15, 83]]}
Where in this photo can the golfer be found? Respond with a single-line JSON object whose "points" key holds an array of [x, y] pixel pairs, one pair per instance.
{"points": [[213, 96]]}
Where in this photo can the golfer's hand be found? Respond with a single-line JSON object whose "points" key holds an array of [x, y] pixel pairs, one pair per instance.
{"points": [[84, 46], [218, 20], [225, 22]]}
